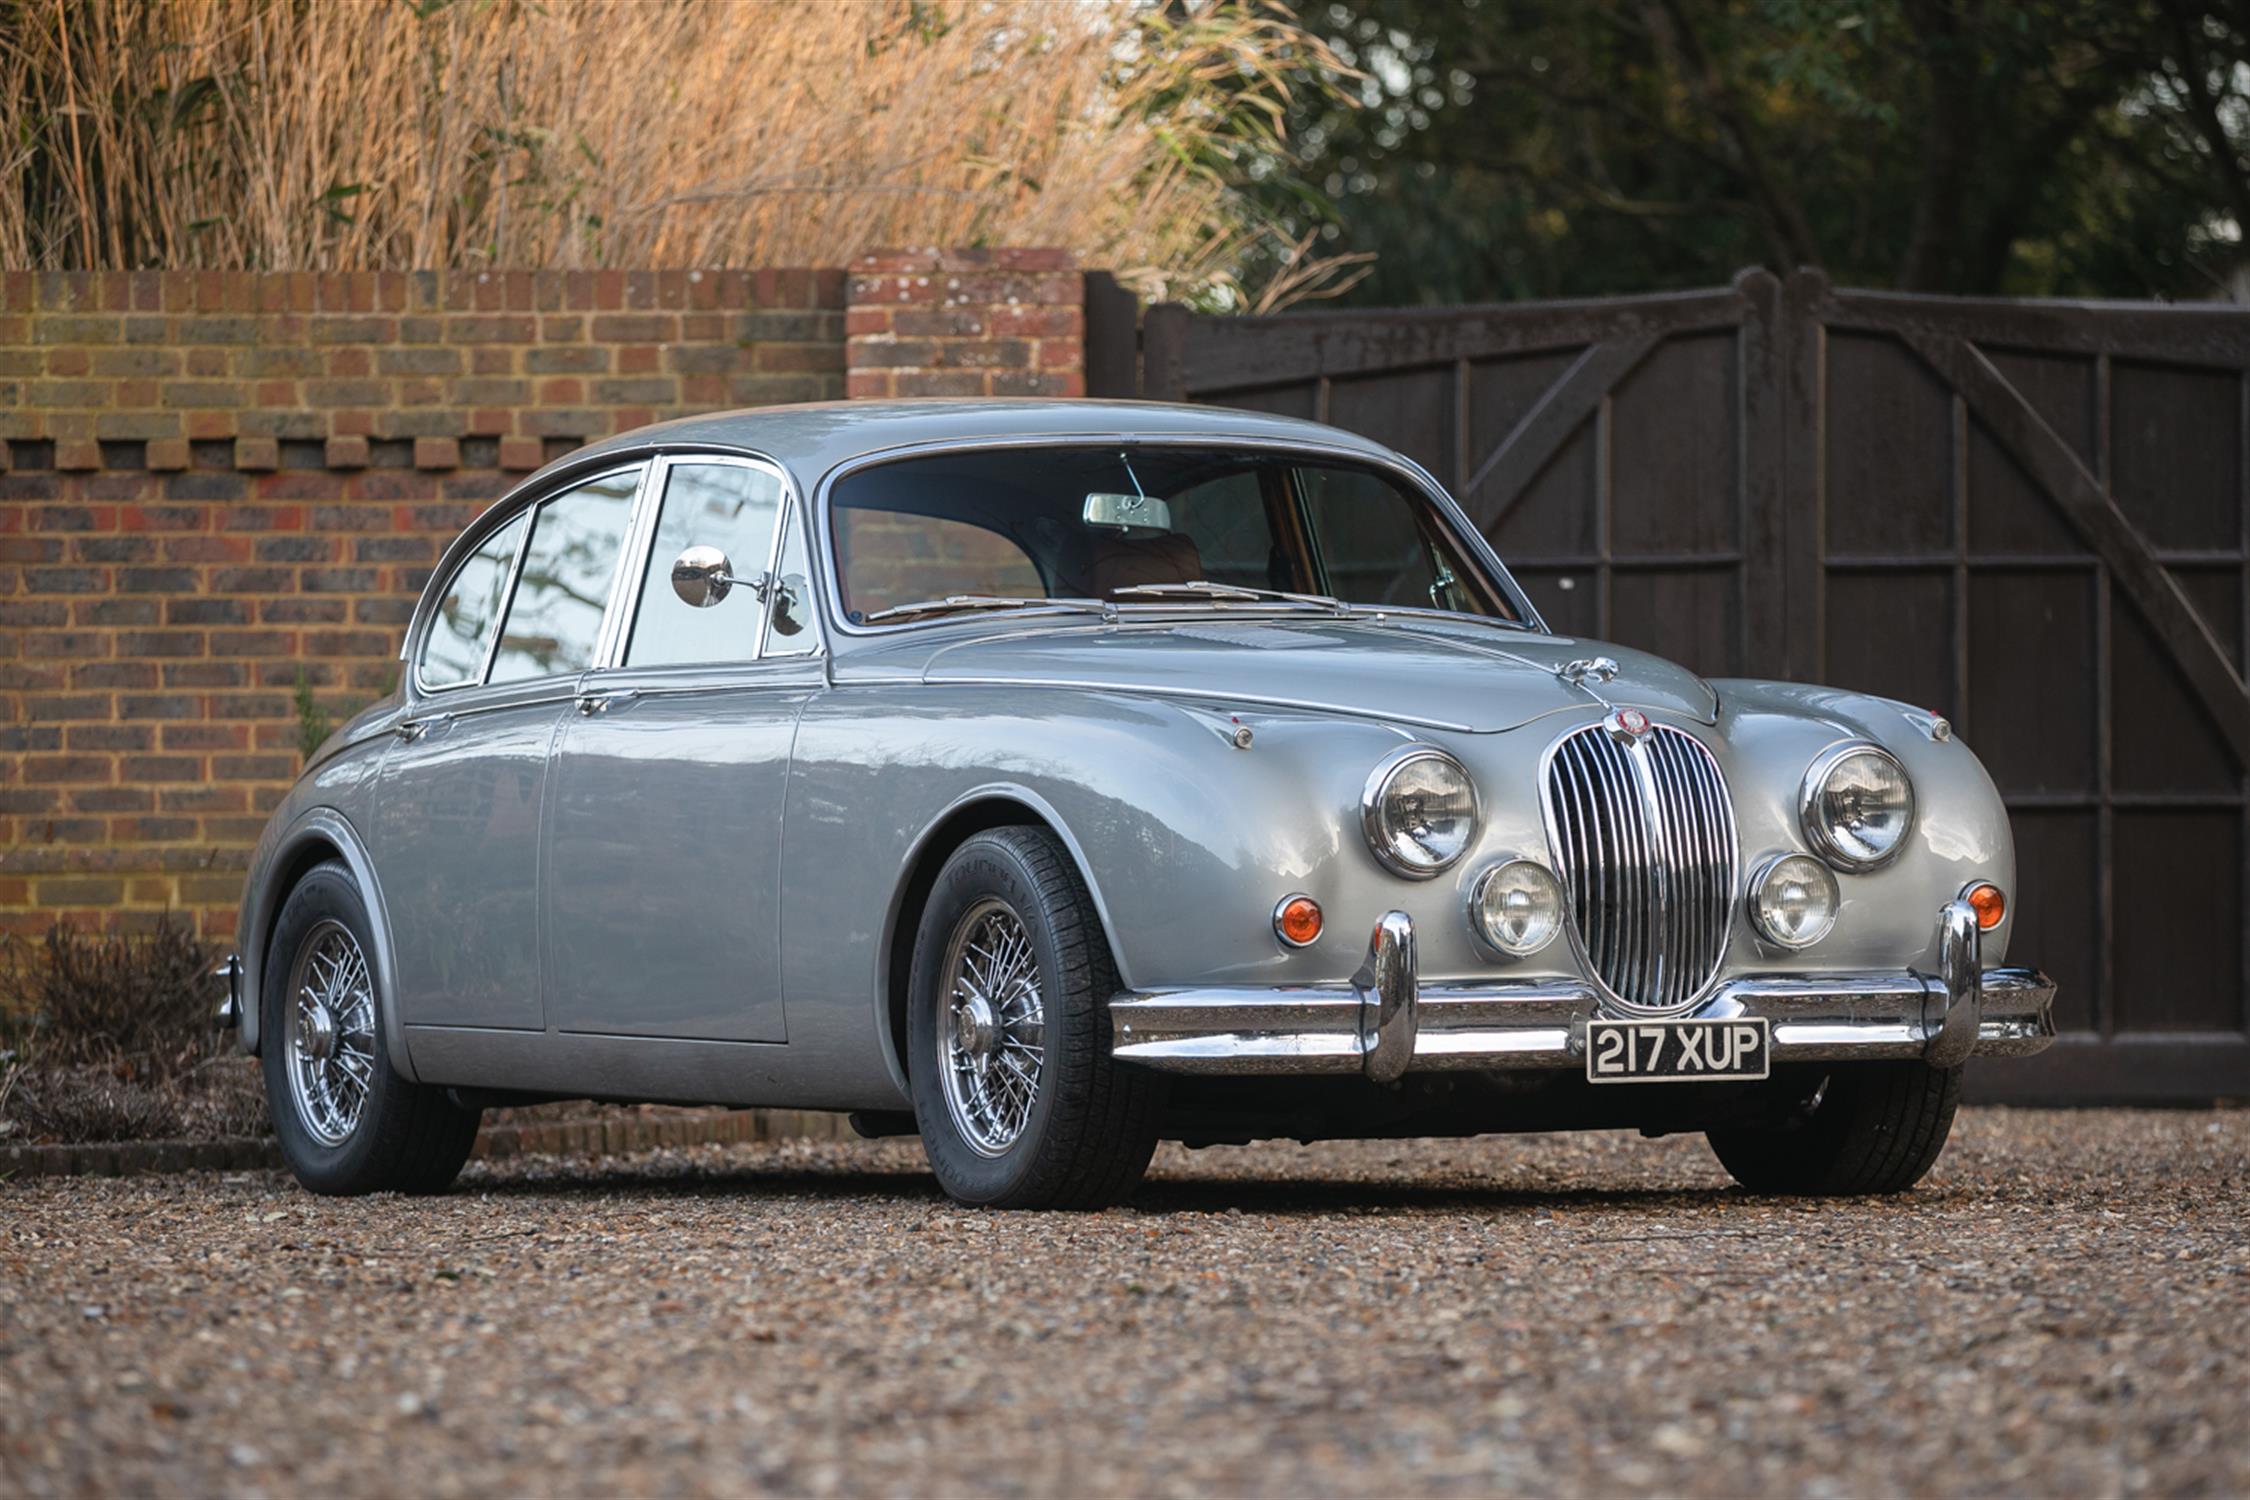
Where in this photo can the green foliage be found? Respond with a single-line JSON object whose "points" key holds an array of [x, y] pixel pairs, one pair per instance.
{"points": [[1513, 148], [313, 725]]}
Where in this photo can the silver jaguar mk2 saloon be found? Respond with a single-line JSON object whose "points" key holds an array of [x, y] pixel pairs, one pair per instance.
{"points": [[1053, 778]]}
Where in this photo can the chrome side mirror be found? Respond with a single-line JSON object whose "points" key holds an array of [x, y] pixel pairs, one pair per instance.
{"points": [[702, 577]]}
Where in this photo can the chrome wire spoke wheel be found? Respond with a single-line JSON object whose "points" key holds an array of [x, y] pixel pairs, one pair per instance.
{"points": [[331, 1032], [992, 1027]]}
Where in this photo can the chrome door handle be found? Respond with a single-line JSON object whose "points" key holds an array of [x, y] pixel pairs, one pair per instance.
{"points": [[600, 703]]}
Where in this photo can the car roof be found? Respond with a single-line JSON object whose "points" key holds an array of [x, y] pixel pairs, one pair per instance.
{"points": [[812, 438]]}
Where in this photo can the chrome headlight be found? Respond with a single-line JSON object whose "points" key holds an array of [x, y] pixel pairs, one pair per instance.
{"points": [[1517, 907], [1793, 900], [1858, 806], [1419, 812]]}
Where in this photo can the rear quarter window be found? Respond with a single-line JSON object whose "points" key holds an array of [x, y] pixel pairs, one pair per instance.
{"points": [[467, 613]]}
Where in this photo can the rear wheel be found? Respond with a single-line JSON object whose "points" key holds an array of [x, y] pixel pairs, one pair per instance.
{"points": [[347, 1122], [1018, 1100], [1864, 1128]]}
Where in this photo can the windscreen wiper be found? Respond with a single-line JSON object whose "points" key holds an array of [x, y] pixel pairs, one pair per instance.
{"points": [[953, 602], [1217, 592]]}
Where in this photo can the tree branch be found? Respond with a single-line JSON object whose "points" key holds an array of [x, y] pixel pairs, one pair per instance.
{"points": [[1787, 225], [2204, 108]]}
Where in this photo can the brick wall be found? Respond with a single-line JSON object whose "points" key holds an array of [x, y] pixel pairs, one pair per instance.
{"points": [[967, 323], [214, 485]]}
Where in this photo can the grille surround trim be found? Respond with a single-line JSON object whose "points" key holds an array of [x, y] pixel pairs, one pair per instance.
{"points": [[1649, 858]]}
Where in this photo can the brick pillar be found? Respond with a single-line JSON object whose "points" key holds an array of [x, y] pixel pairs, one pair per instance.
{"points": [[965, 323]]}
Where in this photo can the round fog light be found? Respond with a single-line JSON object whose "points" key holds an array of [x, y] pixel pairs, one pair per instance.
{"points": [[1517, 907], [1794, 901]]}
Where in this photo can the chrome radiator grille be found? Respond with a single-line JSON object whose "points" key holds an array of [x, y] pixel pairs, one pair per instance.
{"points": [[1643, 837]]}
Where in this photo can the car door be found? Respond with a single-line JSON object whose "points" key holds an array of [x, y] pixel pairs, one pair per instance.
{"points": [[459, 800], [665, 823]]}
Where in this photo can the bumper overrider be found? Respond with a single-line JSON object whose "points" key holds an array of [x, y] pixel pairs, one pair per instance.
{"points": [[1386, 1023]]}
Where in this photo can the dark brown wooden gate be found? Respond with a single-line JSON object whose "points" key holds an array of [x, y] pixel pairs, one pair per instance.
{"points": [[2028, 516]]}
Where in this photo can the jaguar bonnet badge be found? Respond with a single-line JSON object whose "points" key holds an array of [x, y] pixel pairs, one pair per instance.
{"points": [[1627, 724], [1587, 669]]}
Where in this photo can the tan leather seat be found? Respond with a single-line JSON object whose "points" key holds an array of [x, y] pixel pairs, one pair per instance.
{"points": [[1120, 562]]}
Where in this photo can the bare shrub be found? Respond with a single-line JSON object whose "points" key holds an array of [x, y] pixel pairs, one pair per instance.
{"points": [[375, 135], [138, 1005], [110, 1037], [91, 1104]]}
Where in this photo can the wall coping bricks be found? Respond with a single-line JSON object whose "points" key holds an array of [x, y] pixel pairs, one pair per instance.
{"points": [[220, 484], [276, 356]]}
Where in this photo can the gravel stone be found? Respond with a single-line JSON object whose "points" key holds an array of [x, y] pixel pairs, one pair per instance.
{"points": [[2063, 1307]]}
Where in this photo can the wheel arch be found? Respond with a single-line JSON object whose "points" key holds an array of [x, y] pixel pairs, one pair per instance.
{"points": [[989, 807], [318, 836]]}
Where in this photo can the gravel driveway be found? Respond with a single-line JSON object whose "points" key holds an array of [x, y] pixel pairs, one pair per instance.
{"points": [[2064, 1307]]}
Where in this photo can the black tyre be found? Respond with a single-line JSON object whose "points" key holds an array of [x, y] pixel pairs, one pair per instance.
{"points": [[348, 1123], [1018, 1100], [1866, 1128]]}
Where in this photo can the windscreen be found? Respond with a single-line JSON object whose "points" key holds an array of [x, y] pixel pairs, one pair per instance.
{"points": [[1131, 524]]}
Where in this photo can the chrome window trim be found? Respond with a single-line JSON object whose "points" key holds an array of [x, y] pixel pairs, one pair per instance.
{"points": [[616, 620], [1371, 809], [792, 516], [530, 523], [499, 702], [640, 468], [626, 604], [549, 480], [419, 637], [1416, 478], [1816, 835], [506, 512]]}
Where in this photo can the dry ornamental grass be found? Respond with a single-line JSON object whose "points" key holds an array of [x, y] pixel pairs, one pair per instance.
{"points": [[383, 135]]}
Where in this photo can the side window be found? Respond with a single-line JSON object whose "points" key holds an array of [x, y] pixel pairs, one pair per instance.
{"points": [[727, 506], [468, 612], [789, 612], [564, 585]]}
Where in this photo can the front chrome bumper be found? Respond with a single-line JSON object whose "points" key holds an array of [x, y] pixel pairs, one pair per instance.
{"points": [[1385, 1023]]}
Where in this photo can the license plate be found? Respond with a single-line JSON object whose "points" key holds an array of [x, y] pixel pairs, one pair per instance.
{"points": [[1677, 1051]]}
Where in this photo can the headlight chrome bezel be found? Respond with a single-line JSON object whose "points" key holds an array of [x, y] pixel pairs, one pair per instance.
{"points": [[1765, 872], [1483, 932], [1816, 828], [1372, 822]]}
